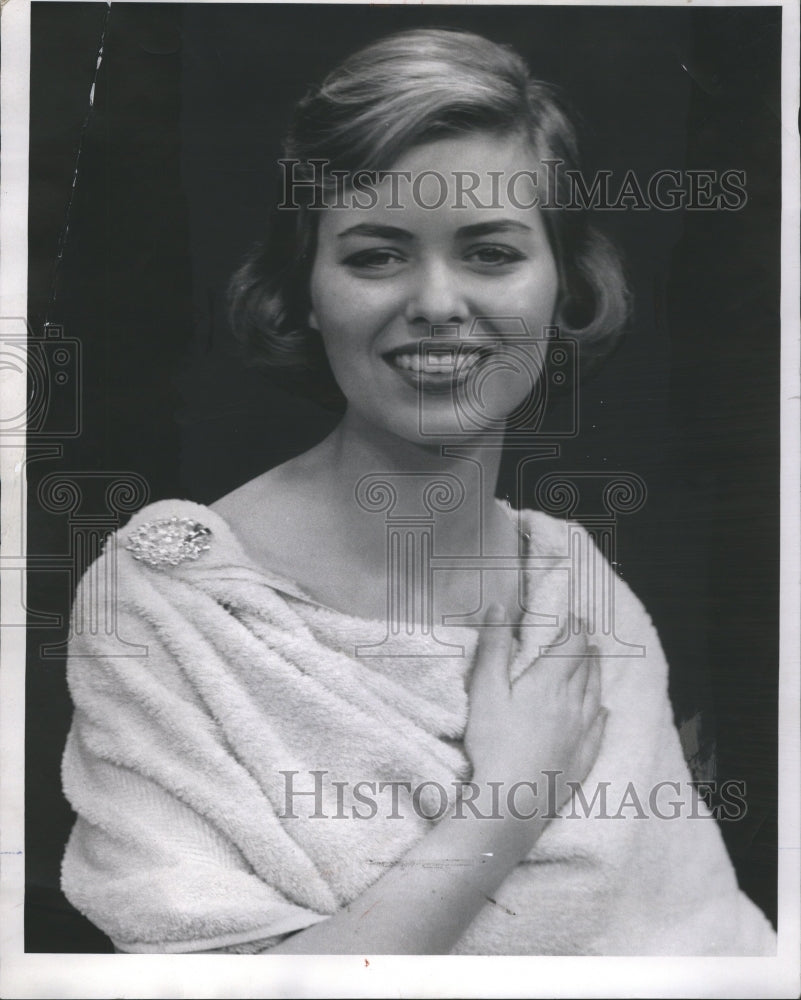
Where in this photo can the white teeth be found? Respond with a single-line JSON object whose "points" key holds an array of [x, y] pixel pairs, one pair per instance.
{"points": [[450, 364]]}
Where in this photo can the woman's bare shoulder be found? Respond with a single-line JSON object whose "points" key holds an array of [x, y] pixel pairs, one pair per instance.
{"points": [[272, 517], [267, 506], [255, 497]]}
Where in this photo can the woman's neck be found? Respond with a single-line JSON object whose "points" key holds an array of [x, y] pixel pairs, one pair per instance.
{"points": [[373, 476], [326, 520]]}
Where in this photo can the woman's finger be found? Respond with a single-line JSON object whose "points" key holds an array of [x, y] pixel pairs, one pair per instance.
{"points": [[491, 670], [591, 744], [577, 682], [566, 656], [592, 691]]}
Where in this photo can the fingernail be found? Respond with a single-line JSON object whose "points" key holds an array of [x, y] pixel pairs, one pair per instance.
{"points": [[496, 613]]}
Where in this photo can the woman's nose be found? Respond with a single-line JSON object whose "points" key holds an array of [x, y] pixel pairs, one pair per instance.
{"points": [[436, 295]]}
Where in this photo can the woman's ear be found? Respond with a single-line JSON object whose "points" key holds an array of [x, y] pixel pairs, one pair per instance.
{"points": [[311, 319]]}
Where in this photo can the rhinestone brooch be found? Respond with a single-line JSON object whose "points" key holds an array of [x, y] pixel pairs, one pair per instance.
{"points": [[168, 541]]}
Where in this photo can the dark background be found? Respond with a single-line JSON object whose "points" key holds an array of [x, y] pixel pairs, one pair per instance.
{"points": [[141, 206]]}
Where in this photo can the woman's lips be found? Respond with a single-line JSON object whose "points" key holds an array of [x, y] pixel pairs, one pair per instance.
{"points": [[436, 369]]}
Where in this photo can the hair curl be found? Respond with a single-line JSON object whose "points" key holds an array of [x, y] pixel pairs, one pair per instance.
{"points": [[398, 93]]}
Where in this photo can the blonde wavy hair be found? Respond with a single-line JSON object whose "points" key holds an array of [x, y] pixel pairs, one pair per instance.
{"points": [[399, 92]]}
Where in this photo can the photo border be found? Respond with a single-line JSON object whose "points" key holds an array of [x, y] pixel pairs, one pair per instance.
{"points": [[70, 975]]}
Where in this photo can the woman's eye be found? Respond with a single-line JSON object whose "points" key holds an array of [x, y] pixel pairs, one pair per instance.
{"points": [[495, 255], [374, 259]]}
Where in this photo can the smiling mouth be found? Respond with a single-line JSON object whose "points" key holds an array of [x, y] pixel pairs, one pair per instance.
{"points": [[436, 369]]}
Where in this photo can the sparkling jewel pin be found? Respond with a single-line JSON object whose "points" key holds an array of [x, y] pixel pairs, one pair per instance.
{"points": [[168, 541]]}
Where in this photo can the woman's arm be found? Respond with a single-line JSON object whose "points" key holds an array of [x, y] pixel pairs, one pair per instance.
{"points": [[551, 719], [426, 901], [176, 847]]}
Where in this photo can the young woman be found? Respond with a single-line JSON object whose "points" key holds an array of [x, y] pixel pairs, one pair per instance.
{"points": [[369, 708]]}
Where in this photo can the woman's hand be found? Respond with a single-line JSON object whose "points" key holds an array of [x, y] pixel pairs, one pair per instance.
{"points": [[550, 719]]}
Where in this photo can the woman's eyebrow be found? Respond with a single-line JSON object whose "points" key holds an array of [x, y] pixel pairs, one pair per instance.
{"points": [[493, 226], [374, 229], [386, 232]]}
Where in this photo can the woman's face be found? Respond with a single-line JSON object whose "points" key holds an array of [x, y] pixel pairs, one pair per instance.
{"points": [[431, 302]]}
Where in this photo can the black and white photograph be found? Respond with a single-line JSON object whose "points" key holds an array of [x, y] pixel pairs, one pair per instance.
{"points": [[399, 439]]}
